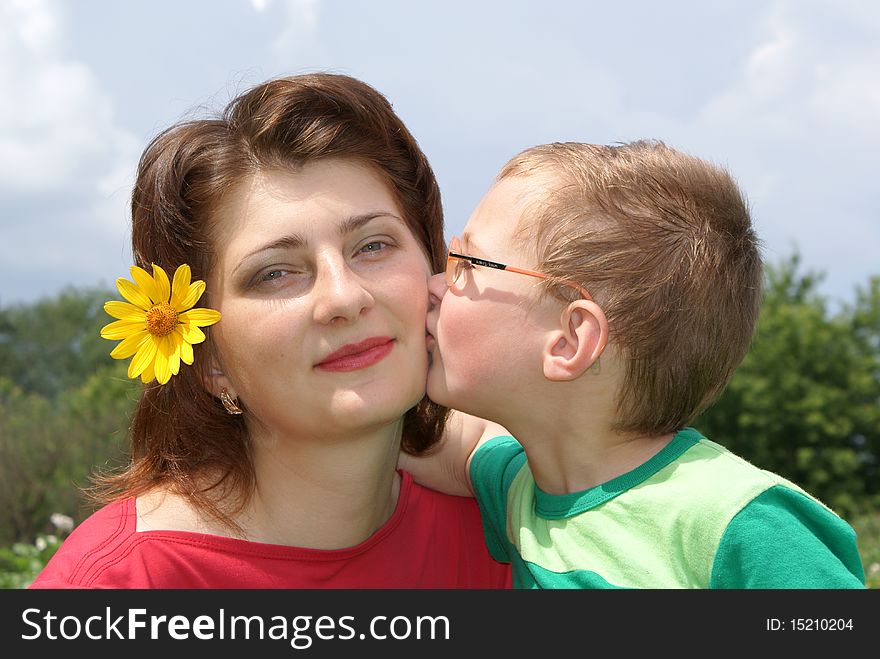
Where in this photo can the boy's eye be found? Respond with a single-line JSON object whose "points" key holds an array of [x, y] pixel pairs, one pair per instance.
{"points": [[461, 265]]}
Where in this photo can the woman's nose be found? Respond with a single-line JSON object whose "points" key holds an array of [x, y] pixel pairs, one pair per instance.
{"points": [[339, 292]]}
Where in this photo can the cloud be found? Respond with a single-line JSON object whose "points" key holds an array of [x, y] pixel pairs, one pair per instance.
{"points": [[800, 79], [784, 92], [800, 127], [65, 165], [56, 122], [299, 34]]}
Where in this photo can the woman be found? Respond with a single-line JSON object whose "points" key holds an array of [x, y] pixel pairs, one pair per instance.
{"points": [[315, 220]]}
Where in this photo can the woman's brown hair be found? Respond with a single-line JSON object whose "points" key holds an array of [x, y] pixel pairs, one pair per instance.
{"points": [[181, 436]]}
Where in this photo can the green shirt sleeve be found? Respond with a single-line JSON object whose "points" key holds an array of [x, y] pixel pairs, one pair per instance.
{"points": [[493, 467], [785, 539]]}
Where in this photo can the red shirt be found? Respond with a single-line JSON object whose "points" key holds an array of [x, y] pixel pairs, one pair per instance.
{"points": [[432, 540]]}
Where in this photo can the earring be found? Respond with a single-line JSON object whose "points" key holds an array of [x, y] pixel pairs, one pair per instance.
{"points": [[230, 403], [596, 367]]}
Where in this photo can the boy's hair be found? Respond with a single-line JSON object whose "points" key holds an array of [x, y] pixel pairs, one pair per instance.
{"points": [[664, 243]]}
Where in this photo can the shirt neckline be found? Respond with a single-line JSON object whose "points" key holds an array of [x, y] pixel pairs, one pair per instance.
{"points": [[561, 506]]}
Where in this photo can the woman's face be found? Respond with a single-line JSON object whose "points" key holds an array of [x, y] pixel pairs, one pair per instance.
{"points": [[322, 290]]}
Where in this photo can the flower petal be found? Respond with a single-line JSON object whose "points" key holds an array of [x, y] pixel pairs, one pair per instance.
{"points": [[163, 286], [180, 286], [146, 283], [168, 344], [149, 374], [133, 294], [122, 329], [200, 317], [144, 357], [174, 360], [163, 369], [192, 296], [185, 349], [125, 311], [186, 353], [129, 346], [191, 333]]}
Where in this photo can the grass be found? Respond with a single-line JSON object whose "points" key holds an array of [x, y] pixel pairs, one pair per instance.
{"points": [[867, 528]]}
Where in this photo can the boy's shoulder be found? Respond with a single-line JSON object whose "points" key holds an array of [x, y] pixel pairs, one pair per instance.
{"points": [[494, 466], [500, 449], [725, 477], [496, 456]]}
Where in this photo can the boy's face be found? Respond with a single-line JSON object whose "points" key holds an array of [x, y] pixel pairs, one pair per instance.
{"points": [[488, 327]]}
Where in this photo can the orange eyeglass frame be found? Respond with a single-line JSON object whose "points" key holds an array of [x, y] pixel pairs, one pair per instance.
{"points": [[454, 256]]}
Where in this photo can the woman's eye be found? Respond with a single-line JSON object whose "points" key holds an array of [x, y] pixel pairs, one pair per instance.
{"points": [[273, 277], [373, 246]]}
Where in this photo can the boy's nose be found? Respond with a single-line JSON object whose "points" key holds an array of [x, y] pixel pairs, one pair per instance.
{"points": [[437, 288]]}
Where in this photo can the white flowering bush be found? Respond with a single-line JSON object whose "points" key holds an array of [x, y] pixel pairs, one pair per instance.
{"points": [[21, 563]]}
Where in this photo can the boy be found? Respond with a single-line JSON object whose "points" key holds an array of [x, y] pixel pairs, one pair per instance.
{"points": [[637, 288]]}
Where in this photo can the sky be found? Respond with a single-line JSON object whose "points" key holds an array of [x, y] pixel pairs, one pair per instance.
{"points": [[783, 93]]}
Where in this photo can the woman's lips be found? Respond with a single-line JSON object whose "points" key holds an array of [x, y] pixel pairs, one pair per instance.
{"points": [[356, 356]]}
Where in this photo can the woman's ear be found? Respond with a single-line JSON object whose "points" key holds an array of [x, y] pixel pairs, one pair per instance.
{"points": [[578, 342], [216, 381]]}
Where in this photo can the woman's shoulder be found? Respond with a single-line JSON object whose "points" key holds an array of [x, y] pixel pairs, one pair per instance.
{"points": [[139, 543], [130, 543], [100, 537], [164, 510]]}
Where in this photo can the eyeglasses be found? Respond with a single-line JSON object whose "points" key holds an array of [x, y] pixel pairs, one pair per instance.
{"points": [[457, 263]]}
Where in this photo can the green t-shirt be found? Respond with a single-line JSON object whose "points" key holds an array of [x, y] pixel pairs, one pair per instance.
{"points": [[693, 516]]}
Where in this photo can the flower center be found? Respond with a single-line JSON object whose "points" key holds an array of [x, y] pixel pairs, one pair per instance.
{"points": [[161, 319]]}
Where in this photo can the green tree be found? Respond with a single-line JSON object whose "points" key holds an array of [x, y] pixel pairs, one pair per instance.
{"points": [[49, 448], [805, 402], [55, 343], [28, 456], [64, 408]]}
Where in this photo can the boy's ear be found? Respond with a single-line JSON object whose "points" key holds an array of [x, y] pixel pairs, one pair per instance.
{"points": [[578, 342]]}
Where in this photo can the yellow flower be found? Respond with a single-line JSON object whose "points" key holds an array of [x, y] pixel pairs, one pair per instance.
{"points": [[158, 324]]}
